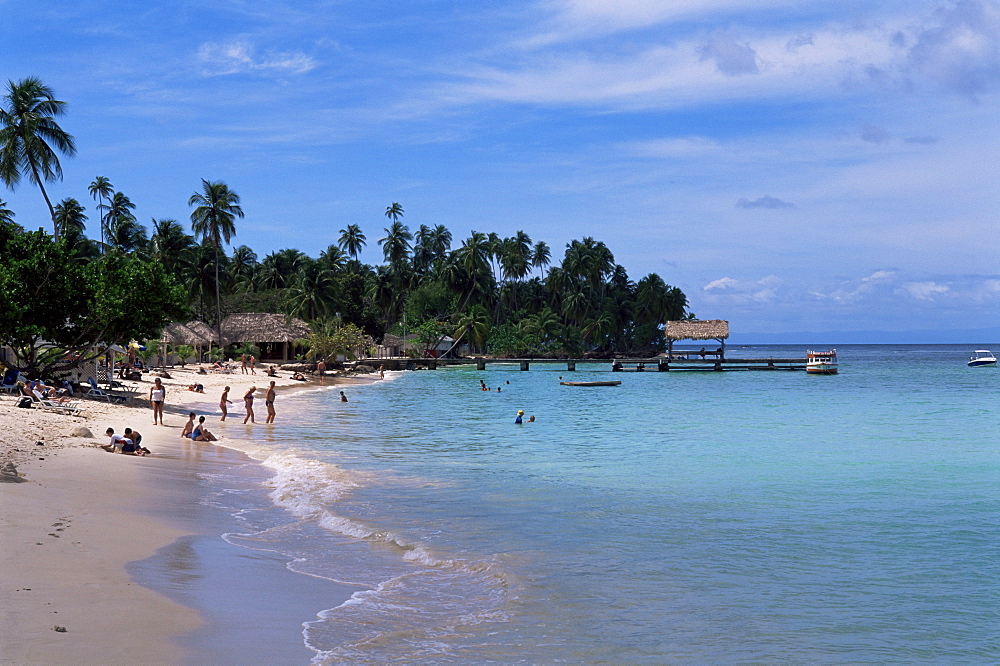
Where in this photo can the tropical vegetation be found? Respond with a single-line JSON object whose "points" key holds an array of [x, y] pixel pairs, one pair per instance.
{"points": [[502, 295]]}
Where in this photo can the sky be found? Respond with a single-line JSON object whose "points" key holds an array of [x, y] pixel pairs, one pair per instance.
{"points": [[828, 167]]}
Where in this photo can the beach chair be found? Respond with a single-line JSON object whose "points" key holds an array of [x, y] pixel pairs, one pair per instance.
{"points": [[67, 407], [97, 392]]}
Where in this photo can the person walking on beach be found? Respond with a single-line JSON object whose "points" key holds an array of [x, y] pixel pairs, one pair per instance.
{"points": [[253, 364], [243, 364], [222, 403], [248, 401], [321, 370], [269, 403], [157, 394]]}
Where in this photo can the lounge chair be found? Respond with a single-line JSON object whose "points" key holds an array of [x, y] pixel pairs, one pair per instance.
{"points": [[66, 407], [96, 392]]}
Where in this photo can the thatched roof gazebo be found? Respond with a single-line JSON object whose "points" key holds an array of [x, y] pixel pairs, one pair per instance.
{"points": [[695, 329], [197, 334], [270, 332]]}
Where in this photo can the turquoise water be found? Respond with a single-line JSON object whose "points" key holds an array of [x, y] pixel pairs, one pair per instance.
{"points": [[678, 517]]}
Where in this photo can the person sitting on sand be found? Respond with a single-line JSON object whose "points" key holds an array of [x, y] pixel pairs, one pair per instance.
{"points": [[189, 426], [131, 445], [197, 388], [201, 433], [117, 441], [271, 371]]}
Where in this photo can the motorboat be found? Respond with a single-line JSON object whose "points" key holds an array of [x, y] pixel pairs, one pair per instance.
{"points": [[981, 358], [821, 363]]}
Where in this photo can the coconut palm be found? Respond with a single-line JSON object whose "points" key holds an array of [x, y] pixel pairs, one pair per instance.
{"points": [[352, 240], [100, 190], [119, 214], [169, 244], [394, 211], [396, 244], [30, 137], [541, 255], [6, 214], [70, 220], [217, 208]]}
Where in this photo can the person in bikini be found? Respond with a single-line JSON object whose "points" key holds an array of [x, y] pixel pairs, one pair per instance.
{"points": [[248, 401], [269, 403], [201, 433], [157, 394]]}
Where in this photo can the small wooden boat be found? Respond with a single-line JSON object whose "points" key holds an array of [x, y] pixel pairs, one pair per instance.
{"points": [[821, 363], [590, 383]]}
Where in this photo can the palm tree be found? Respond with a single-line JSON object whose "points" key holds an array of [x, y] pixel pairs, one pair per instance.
{"points": [[352, 240], [217, 207], [169, 244], [70, 220], [541, 255], [100, 190], [396, 244], [119, 215], [6, 214], [394, 211], [27, 128]]}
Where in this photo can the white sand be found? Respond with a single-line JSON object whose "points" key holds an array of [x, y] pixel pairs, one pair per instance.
{"points": [[68, 530]]}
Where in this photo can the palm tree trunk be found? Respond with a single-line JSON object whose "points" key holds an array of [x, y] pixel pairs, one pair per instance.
{"points": [[52, 211], [218, 304]]}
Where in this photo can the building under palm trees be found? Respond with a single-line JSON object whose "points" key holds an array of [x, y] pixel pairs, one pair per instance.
{"points": [[273, 334]]}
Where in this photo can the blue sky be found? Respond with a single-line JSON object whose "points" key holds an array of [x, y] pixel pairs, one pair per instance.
{"points": [[792, 166]]}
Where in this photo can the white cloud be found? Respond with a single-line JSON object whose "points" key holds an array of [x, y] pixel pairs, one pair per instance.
{"points": [[961, 49], [924, 291], [239, 56]]}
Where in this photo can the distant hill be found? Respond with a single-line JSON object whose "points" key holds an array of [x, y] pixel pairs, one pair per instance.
{"points": [[972, 336]]}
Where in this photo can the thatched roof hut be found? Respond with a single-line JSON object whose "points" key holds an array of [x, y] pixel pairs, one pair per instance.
{"points": [[695, 329], [188, 334], [273, 333]]}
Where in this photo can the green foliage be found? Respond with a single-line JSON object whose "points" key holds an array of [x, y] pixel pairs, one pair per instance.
{"points": [[50, 296], [430, 333], [510, 340], [348, 340], [183, 353]]}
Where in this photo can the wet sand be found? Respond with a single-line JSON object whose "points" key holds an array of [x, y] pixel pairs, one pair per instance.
{"points": [[109, 558]]}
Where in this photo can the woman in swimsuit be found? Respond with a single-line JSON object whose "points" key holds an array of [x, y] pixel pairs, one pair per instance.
{"points": [[248, 401], [157, 394]]}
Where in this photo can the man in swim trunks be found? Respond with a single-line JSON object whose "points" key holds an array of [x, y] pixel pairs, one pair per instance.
{"points": [[189, 426], [222, 403], [269, 403], [132, 444]]}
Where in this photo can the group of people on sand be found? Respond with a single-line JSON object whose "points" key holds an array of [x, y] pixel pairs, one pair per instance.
{"points": [[130, 443], [197, 432]]}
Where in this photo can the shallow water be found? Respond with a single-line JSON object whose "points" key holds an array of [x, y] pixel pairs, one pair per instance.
{"points": [[677, 517]]}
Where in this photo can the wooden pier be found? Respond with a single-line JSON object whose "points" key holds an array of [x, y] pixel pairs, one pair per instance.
{"points": [[679, 361]]}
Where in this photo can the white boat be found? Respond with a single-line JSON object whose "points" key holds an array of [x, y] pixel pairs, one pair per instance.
{"points": [[821, 363], [982, 357]]}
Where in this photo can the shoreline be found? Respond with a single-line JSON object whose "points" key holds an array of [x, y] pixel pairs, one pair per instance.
{"points": [[82, 523]]}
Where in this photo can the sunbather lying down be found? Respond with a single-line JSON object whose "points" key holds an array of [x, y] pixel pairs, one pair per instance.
{"points": [[197, 388]]}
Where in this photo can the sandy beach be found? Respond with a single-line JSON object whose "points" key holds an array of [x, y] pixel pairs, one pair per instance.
{"points": [[76, 515]]}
